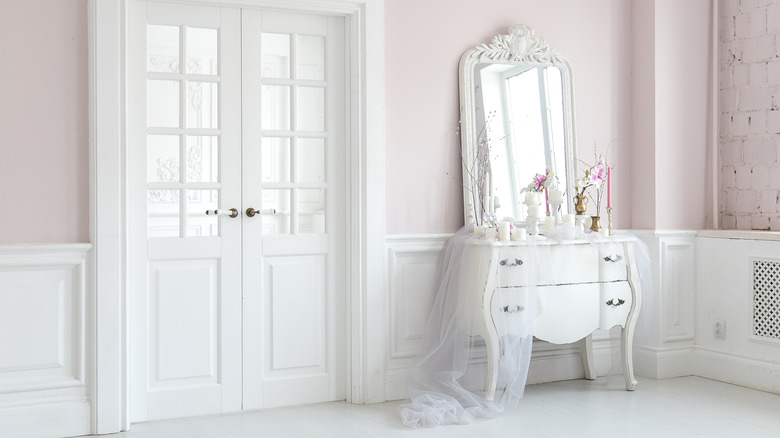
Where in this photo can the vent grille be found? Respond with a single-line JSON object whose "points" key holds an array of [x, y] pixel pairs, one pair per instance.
{"points": [[766, 299]]}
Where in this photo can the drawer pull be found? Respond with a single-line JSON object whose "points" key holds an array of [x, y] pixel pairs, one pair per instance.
{"points": [[515, 309], [614, 259], [614, 302], [507, 262]]}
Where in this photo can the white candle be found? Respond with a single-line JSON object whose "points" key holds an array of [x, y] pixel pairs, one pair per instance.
{"points": [[503, 230], [490, 233], [568, 219], [479, 231], [519, 234], [556, 196], [549, 223], [531, 198]]}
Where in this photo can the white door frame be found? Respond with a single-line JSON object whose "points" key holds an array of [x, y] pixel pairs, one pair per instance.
{"points": [[107, 317]]}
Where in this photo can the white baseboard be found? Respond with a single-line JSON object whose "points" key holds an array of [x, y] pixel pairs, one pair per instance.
{"points": [[753, 373], [46, 420], [664, 363]]}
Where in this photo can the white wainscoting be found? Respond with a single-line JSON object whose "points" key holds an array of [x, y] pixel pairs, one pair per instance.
{"points": [[724, 277], [665, 335], [43, 369], [412, 262]]}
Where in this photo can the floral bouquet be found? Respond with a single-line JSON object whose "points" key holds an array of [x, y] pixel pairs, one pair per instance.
{"points": [[541, 181], [595, 176]]}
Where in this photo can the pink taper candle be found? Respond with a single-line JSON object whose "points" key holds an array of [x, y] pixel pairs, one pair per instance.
{"points": [[547, 199], [609, 186]]}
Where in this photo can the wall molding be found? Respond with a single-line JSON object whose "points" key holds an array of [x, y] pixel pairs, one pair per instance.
{"points": [[44, 386], [665, 362]]}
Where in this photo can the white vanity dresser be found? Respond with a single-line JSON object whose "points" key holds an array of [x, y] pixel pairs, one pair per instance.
{"points": [[569, 287], [517, 123]]}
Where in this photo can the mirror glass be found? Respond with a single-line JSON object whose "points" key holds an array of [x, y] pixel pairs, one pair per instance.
{"points": [[516, 122]]}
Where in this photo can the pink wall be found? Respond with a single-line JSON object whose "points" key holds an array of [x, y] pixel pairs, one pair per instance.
{"points": [[44, 153], [682, 87], [44, 163], [424, 42], [642, 184]]}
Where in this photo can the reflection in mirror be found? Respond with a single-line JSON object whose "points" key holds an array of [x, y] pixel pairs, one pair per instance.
{"points": [[522, 107], [517, 100]]}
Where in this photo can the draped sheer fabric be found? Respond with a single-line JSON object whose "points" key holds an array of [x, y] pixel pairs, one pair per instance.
{"points": [[448, 383]]}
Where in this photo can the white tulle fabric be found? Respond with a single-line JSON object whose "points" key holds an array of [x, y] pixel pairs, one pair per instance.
{"points": [[448, 384]]}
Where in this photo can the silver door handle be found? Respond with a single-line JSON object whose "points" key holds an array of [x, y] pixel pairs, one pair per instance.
{"points": [[221, 212], [251, 212]]}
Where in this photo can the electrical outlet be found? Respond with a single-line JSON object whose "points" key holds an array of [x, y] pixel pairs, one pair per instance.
{"points": [[720, 329]]}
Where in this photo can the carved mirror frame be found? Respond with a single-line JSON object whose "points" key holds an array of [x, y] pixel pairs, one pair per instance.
{"points": [[518, 47]]}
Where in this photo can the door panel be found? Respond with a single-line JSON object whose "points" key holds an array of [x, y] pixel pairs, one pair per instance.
{"points": [[294, 135], [296, 294], [184, 158]]}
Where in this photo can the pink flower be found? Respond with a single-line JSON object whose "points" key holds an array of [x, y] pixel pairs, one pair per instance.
{"points": [[540, 181], [597, 174]]}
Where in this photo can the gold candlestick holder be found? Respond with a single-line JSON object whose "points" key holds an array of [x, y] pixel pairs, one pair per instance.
{"points": [[609, 219]]}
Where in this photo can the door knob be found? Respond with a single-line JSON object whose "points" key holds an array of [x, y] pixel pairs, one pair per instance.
{"points": [[251, 211], [221, 212]]}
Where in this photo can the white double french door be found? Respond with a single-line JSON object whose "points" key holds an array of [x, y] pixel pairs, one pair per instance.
{"points": [[239, 113]]}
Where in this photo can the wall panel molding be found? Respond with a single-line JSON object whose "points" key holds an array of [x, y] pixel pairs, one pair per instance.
{"points": [[412, 263], [43, 347], [677, 286]]}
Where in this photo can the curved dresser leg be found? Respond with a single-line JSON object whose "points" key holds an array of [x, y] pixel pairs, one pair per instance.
{"points": [[491, 378], [588, 363], [627, 341]]}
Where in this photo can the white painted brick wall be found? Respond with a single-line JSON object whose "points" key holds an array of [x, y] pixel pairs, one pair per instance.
{"points": [[749, 106]]}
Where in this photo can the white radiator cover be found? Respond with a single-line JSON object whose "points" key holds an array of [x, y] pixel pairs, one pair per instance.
{"points": [[766, 298]]}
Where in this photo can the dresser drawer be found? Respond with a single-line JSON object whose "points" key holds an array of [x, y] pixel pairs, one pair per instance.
{"points": [[612, 262], [547, 265], [568, 313], [512, 311], [615, 304]]}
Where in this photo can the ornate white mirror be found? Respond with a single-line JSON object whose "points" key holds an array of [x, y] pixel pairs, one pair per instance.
{"points": [[517, 120]]}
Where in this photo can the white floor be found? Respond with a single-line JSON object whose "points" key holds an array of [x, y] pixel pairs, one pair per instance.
{"points": [[681, 407]]}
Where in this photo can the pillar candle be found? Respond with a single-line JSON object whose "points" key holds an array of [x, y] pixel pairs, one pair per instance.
{"points": [[519, 234], [549, 223], [556, 196], [503, 230]]}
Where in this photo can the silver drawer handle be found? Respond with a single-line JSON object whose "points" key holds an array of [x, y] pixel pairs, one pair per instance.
{"points": [[614, 302], [507, 262], [614, 259], [515, 309]]}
